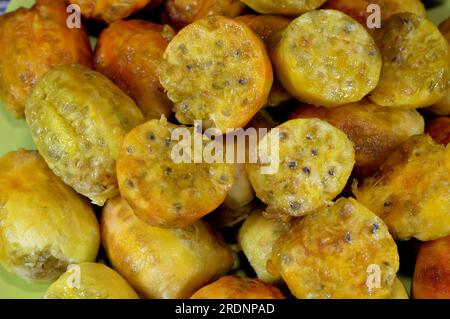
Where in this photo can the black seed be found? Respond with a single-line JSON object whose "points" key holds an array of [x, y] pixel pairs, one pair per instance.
{"points": [[309, 136], [347, 28], [396, 60], [129, 183], [168, 171], [375, 228], [387, 204], [177, 206], [23, 77], [219, 44], [182, 48], [224, 178], [314, 152], [101, 142], [348, 237], [331, 171], [405, 20], [167, 141], [130, 149], [283, 136], [295, 205], [189, 67], [243, 81], [292, 165], [306, 170], [150, 136]]}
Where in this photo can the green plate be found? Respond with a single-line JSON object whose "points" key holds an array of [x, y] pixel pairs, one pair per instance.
{"points": [[15, 134]]}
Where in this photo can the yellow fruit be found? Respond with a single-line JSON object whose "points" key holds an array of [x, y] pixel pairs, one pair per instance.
{"points": [[78, 119], [90, 281], [315, 160], [410, 191], [342, 251], [234, 287], [44, 224], [216, 70], [416, 67], [33, 41], [326, 58], [162, 263]]}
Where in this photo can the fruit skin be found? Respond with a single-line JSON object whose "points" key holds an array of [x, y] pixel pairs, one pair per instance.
{"points": [[121, 56], [283, 7], [410, 191], [162, 263], [257, 237], [439, 129], [432, 273], [267, 26], [376, 131], [330, 253], [97, 281], [399, 291], [183, 12], [44, 224], [32, 41], [442, 107], [234, 287], [110, 10], [357, 9], [78, 119], [264, 25], [238, 203], [241, 199]]}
